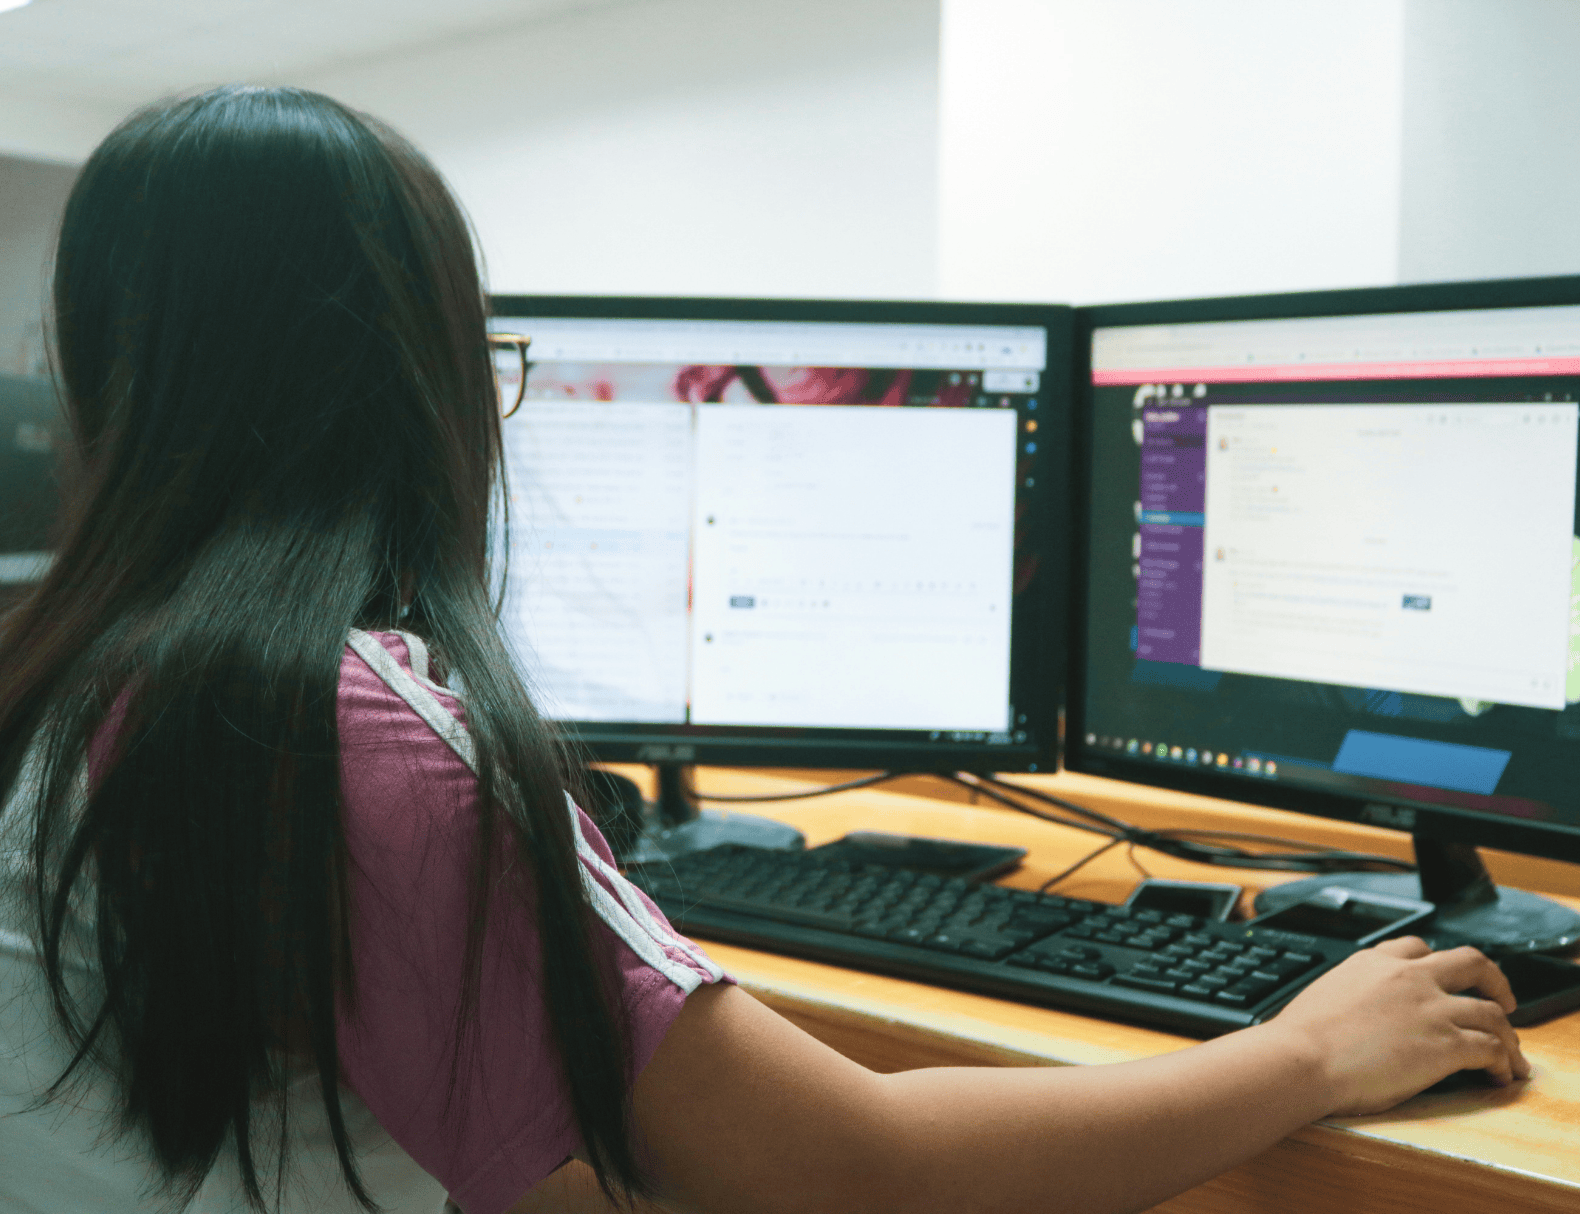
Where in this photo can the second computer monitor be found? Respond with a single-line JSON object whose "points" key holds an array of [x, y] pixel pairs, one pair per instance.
{"points": [[1332, 558], [796, 533]]}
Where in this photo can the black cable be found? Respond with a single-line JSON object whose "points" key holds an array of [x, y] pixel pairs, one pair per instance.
{"points": [[994, 795], [864, 782], [1078, 865], [1049, 799], [1181, 843]]}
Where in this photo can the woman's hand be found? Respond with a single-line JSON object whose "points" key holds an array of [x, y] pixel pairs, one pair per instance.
{"points": [[1391, 1020]]}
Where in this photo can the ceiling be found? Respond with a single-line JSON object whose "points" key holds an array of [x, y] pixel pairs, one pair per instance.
{"points": [[124, 52]]}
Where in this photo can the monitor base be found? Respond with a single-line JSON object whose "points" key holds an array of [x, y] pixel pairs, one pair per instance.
{"points": [[1513, 921], [640, 832], [710, 829]]}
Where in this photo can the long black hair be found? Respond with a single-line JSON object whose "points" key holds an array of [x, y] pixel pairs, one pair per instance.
{"points": [[270, 337]]}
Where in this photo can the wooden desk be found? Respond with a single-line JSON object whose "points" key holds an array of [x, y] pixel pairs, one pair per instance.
{"points": [[1509, 1150]]}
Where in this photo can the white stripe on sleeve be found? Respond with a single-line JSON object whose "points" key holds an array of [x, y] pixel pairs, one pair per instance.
{"points": [[633, 902], [645, 943], [422, 701]]}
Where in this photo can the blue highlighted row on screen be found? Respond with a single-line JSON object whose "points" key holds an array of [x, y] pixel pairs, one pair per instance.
{"points": [[1384, 756], [1175, 518]]}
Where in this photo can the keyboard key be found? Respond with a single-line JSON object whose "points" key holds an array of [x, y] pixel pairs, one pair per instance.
{"points": [[1111, 937], [1080, 952], [1038, 919], [945, 942], [1163, 986], [1185, 921], [1196, 990], [1092, 969], [1254, 987], [985, 949]]}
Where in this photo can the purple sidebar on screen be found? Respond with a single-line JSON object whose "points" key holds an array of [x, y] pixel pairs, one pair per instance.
{"points": [[1173, 496]]}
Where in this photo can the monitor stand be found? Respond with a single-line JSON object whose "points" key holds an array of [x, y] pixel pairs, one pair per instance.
{"points": [[674, 825], [1470, 908]]}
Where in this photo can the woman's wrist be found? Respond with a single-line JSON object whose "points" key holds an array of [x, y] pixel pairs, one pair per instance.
{"points": [[1304, 1068]]}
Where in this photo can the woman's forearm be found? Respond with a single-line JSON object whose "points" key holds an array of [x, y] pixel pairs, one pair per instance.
{"points": [[740, 1111], [1097, 1139]]}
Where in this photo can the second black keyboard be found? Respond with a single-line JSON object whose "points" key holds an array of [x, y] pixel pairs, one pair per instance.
{"points": [[1170, 971]]}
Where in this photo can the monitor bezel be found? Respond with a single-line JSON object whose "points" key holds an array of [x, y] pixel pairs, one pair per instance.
{"points": [[1448, 823], [1037, 651]]}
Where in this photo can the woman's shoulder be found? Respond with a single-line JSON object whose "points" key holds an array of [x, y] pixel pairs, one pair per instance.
{"points": [[388, 678], [405, 655], [402, 735]]}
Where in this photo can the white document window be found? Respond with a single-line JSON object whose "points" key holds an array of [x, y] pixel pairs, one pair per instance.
{"points": [[600, 512], [1419, 548]]}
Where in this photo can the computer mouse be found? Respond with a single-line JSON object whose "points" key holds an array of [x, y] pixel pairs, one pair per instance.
{"points": [[1461, 1081]]}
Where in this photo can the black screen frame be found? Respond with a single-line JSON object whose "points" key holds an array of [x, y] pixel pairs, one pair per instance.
{"points": [[1448, 823], [1038, 627]]}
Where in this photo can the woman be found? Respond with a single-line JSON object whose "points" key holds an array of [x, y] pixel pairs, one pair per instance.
{"points": [[287, 920]]}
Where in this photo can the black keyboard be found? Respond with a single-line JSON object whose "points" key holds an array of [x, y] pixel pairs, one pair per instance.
{"points": [[1171, 971]]}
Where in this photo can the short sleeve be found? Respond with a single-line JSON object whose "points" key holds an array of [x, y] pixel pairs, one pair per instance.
{"points": [[492, 1129]]}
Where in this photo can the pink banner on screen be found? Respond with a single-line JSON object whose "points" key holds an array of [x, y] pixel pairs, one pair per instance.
{"points": [[1469, 368]]}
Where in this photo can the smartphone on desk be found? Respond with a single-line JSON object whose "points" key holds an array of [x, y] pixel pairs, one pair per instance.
{"points": [[942, 857], [1336, 913], [1211, 900]]}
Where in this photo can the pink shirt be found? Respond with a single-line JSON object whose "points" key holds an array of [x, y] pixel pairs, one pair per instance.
{"points": [[410, 799]]}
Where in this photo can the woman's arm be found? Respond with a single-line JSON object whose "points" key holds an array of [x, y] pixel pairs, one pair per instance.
{"points": [[741, 1111]]}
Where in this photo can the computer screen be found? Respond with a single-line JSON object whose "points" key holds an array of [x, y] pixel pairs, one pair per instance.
{"points": [[1332, 556], [799, 533]]}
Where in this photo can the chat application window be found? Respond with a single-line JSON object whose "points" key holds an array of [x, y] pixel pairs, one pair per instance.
{"points": [[853, 566], [1425, 548]]}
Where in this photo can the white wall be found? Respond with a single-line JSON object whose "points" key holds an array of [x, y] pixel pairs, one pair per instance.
{"points": [[687, 147], [53, 129], [1491, 163], [999, 149], [1144, 149]]}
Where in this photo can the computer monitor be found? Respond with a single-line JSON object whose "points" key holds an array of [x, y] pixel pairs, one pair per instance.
{"points": [[1331, 563], [790, 533]]}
